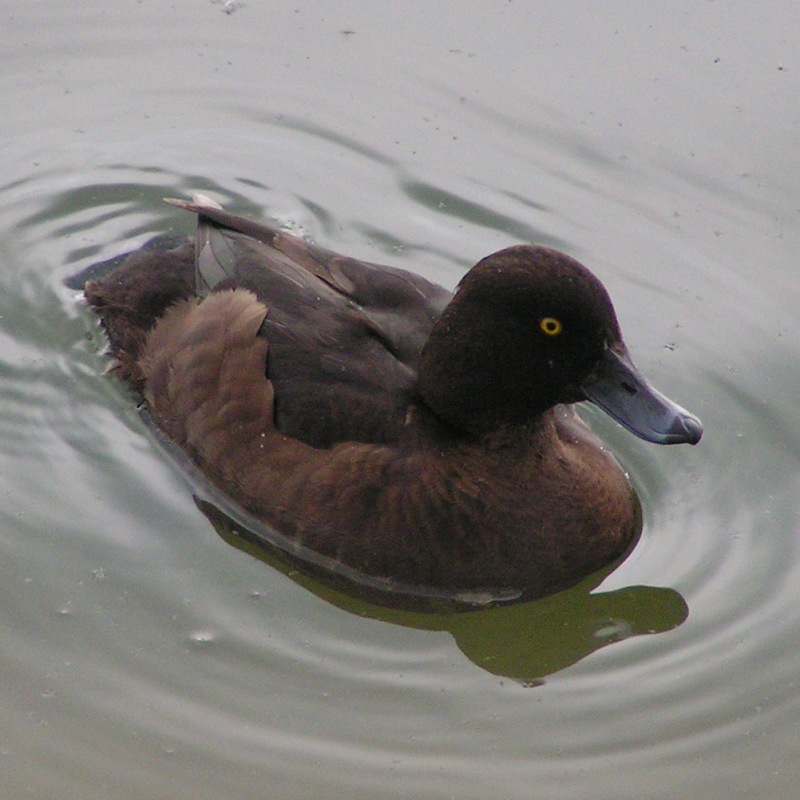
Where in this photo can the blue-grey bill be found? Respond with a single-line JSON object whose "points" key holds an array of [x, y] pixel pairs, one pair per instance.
{"points": [[625, 395]]}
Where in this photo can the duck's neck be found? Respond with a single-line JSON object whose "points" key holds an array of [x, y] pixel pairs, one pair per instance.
{"points": [[424, 428]]}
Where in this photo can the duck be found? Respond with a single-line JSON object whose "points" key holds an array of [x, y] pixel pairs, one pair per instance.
{"points": [[413, 435]]}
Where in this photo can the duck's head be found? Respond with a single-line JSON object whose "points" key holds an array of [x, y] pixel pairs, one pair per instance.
{"points": [[529, 328]]}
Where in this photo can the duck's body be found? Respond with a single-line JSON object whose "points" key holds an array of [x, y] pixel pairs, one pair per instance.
{"points": [[374, 418]]}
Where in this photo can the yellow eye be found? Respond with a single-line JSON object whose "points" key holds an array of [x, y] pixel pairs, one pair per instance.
{"points": [[550, 326]]}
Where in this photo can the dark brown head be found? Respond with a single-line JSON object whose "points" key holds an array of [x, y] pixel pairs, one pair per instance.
{"points": [[529, 328]]}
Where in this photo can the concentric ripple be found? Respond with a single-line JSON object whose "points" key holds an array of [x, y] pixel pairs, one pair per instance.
{"points": [[150, 651]]}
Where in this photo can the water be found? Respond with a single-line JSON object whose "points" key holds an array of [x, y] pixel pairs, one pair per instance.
{"points": [[146, 653]]}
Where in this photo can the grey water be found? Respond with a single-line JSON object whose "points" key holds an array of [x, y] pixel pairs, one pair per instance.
{"points": [[147, 652]]}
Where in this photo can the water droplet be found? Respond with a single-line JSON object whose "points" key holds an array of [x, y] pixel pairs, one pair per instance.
{"points": [[614, 630], [202, 638]]}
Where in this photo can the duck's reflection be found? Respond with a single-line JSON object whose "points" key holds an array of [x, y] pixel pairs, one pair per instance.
{"points": [[525, 641]]}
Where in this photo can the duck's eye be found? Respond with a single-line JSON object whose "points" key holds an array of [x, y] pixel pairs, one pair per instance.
{"points": [[550, 326]]}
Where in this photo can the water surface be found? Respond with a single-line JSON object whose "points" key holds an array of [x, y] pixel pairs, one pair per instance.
{"points": [[147, 653]]}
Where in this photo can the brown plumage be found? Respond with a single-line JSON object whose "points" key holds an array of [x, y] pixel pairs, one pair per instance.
{"points": [[373, 418]]}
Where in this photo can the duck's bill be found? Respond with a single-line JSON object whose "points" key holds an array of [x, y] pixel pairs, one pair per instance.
{"points": [[623, 393]]}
